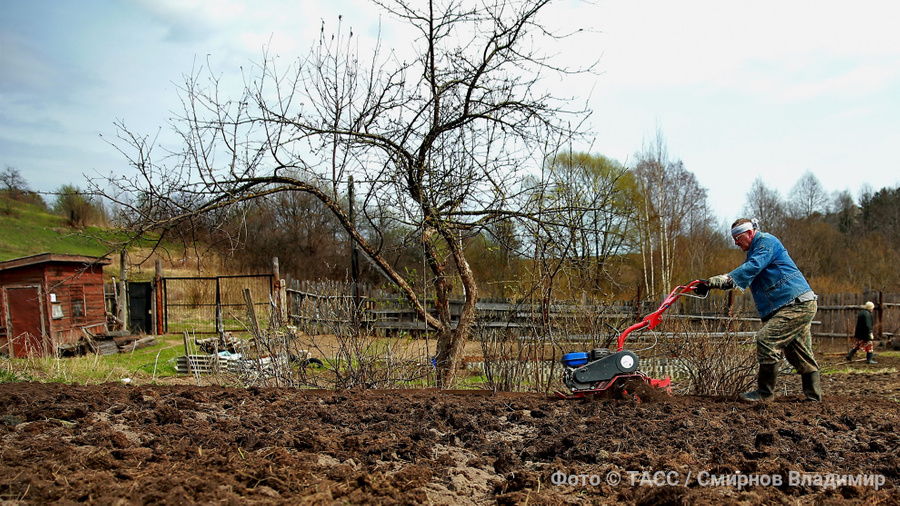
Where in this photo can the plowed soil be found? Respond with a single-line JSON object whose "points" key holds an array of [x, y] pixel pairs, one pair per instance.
{"points": [[182, 444]]}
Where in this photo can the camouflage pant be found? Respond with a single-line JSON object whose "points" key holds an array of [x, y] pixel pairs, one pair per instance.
{"points": [[788, 331]]}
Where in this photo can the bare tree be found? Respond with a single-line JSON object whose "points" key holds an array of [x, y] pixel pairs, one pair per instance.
{"points": [[436, 143], [80, 208], [845, 212], [765, 204], [12, 182], [14, 187], [808, 197], [600, 195]]}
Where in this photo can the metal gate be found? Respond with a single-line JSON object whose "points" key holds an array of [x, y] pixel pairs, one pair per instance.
{"points": [[212, 305]]}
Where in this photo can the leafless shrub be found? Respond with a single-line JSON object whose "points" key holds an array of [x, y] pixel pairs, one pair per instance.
{"points": [[516, 362], [528, 357], [700, 360], [328, 347], [352, 356], [713, 363]]}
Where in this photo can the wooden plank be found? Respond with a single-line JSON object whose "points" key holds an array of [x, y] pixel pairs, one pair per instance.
{"points": [[251, 312]]}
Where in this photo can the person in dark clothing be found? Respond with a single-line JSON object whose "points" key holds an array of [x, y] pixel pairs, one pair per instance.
{"points": [[865, 326]]}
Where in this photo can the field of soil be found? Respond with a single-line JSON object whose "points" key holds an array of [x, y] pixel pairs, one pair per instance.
{"points": [[181, 444]]}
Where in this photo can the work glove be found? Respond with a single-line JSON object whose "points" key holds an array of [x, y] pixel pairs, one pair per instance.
{"points": [[722, 282], [701, 289]]}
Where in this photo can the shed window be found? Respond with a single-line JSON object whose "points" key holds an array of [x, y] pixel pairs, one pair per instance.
{"points": [[56, 310]]}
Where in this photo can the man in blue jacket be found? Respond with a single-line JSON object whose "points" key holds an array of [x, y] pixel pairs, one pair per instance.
{"points": [[786, 305]]}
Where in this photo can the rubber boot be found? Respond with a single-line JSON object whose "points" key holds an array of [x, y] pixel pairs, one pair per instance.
{"points": [[812, 386], [870, 359], [768, 373], [850, 355]]}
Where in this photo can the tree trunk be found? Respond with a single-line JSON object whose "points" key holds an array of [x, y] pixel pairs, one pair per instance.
{"points": [[452, 342]]}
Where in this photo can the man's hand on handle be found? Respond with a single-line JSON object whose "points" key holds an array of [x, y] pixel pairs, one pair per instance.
{"points": [[722, 282]]}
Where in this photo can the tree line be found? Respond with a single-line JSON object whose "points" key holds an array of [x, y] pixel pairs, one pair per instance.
{"points": [[80, 207], [642, 228]]}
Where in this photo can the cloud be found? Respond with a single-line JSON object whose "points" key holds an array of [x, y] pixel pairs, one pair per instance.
{"points": [[188, 21], [752, 48], [22, 66]]}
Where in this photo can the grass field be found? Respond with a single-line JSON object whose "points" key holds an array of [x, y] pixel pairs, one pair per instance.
{"points": [[26, 229]]}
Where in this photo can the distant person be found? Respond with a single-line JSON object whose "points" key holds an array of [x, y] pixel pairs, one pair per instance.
{"points": [[786, 305], [865, 326]]}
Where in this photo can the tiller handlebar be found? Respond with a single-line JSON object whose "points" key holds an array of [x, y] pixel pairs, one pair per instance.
{"points": [[700, 289]]}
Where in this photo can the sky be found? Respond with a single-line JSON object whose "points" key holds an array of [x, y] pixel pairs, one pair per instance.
{"points": [[739, 90]]}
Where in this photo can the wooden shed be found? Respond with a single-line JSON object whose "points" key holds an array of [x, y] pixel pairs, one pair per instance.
{"points": [[48, 300]]}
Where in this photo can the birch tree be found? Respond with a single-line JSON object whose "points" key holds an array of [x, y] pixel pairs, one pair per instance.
{"points": [[672, 201]]}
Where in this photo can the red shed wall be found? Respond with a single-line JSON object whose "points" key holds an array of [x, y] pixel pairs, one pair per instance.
{"points": [[29, 275], [79, 296]]}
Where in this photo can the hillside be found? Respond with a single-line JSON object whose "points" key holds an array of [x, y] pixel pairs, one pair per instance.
{"points": [[26, 229]]}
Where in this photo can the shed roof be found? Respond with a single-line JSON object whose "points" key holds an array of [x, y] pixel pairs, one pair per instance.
{"points": [[42, 258]]}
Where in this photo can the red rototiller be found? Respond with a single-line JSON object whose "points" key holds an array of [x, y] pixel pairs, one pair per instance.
{"points": [[599, 370]]}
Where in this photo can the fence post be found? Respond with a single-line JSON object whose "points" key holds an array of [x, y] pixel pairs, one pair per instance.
{"points": [[636, 309], [251, 312], [160, 304], [220, 323], [123, 290], [354, 257], [279, 301]]}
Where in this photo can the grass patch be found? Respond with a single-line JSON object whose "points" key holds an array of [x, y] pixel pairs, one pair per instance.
{"points": [[152, 362], [863, 371], [28, 229], [145, 365], [9, 376]]}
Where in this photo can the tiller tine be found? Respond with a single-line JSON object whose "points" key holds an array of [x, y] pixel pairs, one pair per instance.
{"points": [[661, 383]]}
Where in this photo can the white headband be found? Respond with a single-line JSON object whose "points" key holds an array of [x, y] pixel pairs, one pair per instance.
{"points": [[743, 227]]}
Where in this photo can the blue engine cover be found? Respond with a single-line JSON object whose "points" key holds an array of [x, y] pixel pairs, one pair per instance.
{"points": [[575, 359]]}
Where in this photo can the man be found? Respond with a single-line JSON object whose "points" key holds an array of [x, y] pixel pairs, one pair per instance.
{"points": [[786, 305], [865, 325]]}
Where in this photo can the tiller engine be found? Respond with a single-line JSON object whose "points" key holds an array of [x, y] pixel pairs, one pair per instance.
{"points": [[600, 370]]}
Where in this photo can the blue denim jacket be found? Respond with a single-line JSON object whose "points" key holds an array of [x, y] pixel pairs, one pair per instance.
{"points": [[771, 274]]}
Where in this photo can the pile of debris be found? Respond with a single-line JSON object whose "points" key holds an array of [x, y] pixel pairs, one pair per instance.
{"points": [[226, 353], [106, 343]]}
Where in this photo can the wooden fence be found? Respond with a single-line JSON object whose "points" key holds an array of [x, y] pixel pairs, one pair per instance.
{"points": [[838, 313], [333, 303]]}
